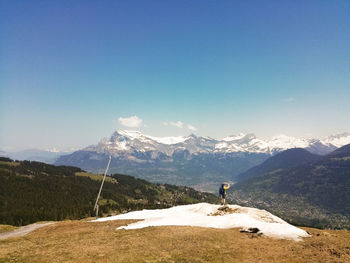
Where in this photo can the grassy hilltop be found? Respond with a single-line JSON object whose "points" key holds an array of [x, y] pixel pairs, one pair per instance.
{"points": [[77, 241]]}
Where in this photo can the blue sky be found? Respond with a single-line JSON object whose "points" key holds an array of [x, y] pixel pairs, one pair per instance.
{"points": [[70, 69]]}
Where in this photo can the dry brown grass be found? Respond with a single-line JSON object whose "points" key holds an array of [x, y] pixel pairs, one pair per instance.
{"points": [[77, 241]]}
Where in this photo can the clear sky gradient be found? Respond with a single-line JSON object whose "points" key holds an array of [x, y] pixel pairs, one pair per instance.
{"points": [[70, 69]]}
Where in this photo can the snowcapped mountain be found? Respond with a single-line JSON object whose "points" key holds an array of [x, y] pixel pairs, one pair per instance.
{"points": [[249, 143], [337, 140], [196, 161], [124, 142]]}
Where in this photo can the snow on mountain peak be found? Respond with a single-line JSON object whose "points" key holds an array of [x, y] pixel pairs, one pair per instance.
{"points": [[169, 140], [281, 136], [234, 137], [130, 134], [137, 135], [338, 140], [283, 141], [129, 141], [53, 150]]}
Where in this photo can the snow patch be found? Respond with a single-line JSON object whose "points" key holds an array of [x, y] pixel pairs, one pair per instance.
{"points": [[285, 142], [136, 135], [169, 140], [234, 137], [208, 215]]}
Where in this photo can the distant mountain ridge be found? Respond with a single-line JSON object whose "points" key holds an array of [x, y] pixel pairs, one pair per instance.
{"points": [[200, 162], [46, 156]]}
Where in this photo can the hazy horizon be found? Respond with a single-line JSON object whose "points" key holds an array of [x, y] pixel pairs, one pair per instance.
{"points": [[72, 73]]}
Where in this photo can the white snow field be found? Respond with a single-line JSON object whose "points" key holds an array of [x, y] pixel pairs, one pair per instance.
{"points": [[208, 215]]}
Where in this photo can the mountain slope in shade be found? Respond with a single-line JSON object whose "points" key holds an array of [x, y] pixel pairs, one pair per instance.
{"points": [[284, 160], [202, 171], [315, 193], [342, 152]]}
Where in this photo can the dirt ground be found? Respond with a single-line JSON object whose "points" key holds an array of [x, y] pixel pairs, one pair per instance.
{"points": [[22, 231], [79, 241]]}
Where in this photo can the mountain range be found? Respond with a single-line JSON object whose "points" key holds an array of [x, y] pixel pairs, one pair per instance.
{"points": [[304, 188], [124, 141], [197, 161]]}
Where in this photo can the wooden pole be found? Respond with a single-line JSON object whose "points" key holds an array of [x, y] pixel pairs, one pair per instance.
{"points": [[103, 180]]}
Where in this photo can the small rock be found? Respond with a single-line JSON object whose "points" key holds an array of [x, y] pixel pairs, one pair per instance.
{"points": [[252, 230]]}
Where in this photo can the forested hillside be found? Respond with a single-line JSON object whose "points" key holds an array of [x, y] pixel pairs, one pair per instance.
{"points": [[33, 191], [314, 193], [288, 159]]}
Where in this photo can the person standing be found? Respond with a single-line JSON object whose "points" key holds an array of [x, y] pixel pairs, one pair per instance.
{"points": [[222, 193]]}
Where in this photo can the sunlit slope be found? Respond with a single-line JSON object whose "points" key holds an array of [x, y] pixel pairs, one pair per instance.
{"points": [[32, 191], [74, 241]]}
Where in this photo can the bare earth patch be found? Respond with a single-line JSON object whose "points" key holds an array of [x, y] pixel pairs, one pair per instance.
{"points": [[76, 241], [6, 228], [21, 231], [224, 210]]}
